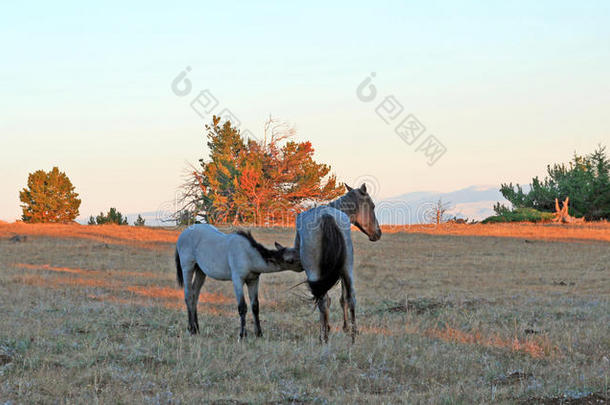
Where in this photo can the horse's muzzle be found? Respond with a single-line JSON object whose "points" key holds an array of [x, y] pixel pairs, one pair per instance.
{"points": [[376, 236]]}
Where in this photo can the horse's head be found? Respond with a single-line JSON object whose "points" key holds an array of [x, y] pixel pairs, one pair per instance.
{"points": [[289, 256], [363, 215]]}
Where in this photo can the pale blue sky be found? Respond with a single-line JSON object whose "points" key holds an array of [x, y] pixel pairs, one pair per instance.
{"points": [[507, 87]]}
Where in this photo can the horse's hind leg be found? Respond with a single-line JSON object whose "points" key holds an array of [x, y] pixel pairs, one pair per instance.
{"points": [[197, 284], [188, 269], [344, 305], [350, 297], [323, 305], [253, 294]]}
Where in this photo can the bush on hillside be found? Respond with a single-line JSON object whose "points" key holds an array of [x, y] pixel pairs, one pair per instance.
{"points": [[519, 215]]}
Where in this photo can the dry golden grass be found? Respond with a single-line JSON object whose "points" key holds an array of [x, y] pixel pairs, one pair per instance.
{"points": [[535, 231], [92, 313], [122, 235]]}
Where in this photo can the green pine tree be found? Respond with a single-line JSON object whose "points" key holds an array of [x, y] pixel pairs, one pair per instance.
{"points": [[586, 180], [139, 221], [49, 197], [112, 217]]}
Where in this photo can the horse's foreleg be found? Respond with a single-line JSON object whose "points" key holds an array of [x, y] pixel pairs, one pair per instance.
{"points": [[242, 308], [323, 305], [197, 284], [343, 301], [253, 294]]}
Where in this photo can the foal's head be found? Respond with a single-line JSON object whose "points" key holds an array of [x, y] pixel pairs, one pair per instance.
{"points": [[363, 211], [282, 257], [289, 257]]}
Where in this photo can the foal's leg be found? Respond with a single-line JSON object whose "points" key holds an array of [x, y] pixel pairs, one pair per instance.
{"points": [[253, 294], [238, 286], [197, 284], [323, 305]]}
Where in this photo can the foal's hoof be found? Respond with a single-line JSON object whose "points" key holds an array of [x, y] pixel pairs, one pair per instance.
{"points": [[193, 330], [259, 334]]}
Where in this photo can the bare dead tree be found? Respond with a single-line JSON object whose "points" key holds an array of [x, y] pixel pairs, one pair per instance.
{"points": [[439, 210], [562, 215], [188, 204], [275, 131]]}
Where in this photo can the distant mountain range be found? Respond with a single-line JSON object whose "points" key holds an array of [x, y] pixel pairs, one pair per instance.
{"points": [[474, 202]]}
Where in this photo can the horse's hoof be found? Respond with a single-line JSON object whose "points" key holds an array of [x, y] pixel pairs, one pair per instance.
{"points": [[259, 334], [193, 328], [345, 328]]}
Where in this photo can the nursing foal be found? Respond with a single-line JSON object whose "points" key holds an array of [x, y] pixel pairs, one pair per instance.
{"points": [[202, 250]]}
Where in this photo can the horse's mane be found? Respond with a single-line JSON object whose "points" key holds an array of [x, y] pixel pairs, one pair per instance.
{"points": [[348, 202], [269, 256]]}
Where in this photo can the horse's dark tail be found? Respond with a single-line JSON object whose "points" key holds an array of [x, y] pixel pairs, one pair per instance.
{"points": [[332, 258], [178, 269]]}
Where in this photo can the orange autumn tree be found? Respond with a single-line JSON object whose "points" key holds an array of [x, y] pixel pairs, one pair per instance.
{"points": [[259, 182]]}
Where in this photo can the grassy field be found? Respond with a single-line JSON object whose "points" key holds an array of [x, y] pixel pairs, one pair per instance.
{"points": [[93, 314]]}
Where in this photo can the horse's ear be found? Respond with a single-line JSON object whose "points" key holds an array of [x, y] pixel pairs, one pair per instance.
{"points": [[278, 246], [347, 187], [363, 187]]}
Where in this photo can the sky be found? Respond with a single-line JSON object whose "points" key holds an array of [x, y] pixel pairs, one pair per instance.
{"points": [[504, 88]]}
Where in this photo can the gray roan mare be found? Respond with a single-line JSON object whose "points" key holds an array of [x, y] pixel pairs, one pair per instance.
{"points": [[202, 250], [324, 242]]}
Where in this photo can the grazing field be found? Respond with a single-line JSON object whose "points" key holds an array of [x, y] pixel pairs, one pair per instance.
{"points": [[446, 316]]}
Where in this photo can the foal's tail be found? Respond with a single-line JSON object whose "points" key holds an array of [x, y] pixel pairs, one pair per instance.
{"points": [[178, 269], [332, 258]]}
